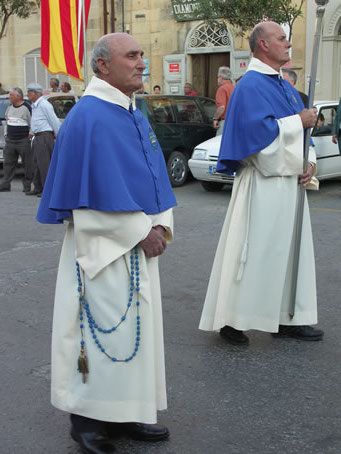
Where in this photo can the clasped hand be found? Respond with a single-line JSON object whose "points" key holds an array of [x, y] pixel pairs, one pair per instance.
{"points": [[308, 117], [154, 244], [307, 176]]}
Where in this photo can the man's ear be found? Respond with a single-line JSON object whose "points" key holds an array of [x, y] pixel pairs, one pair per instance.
{"points": [[102, 66], [264, 45]]}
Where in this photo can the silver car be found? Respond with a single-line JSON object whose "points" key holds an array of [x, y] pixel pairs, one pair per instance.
{"points": [[203, 163]]}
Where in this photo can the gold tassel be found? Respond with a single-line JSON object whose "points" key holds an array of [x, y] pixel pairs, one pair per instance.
{"points": [[83, 365]]}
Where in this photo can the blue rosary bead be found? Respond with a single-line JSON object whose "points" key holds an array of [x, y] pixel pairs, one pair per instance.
{"points": [[93, 326]]}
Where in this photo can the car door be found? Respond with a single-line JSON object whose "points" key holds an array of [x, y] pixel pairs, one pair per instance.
{"points": [[62, 104], [162, 118], [193, 122], [327, 153], [208, 107]]}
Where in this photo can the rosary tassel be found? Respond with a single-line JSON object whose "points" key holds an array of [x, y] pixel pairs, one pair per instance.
{"points": [[83, 366]]}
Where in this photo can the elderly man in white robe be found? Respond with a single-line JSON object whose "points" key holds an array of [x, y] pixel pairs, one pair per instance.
{"points": [[250, 283], [108, 182]]}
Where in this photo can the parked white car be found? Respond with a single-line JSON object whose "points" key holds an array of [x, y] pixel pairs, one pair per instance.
{"points": [[203, 163]]}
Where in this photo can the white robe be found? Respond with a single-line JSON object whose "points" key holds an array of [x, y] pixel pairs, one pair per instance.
{"points": [[249, 287], [118, 392]]}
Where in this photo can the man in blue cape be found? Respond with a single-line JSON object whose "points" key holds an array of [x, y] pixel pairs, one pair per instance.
{"points": [[108, 182], [262, 142]]}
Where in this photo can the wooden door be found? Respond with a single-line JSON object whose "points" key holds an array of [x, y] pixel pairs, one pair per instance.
{"points": [[205, 69]]}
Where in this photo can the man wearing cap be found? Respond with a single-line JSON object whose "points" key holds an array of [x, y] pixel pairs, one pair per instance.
{"points": [[45, 126]]}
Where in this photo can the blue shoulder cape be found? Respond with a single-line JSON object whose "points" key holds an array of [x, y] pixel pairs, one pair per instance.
{"points": [[105, 158], [256, 103]]}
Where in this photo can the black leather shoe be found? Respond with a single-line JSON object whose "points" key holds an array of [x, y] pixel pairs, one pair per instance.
{"points": [[33, 193], [303, 332], [93, 442], [139, 431], [5, 189], [234, 336]]}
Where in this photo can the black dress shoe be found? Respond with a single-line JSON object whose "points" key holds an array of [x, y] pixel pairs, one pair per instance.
{"points": [[93, 442], [5, 189], [301, 332], [33, 193], [139, 431], [234, 336]]}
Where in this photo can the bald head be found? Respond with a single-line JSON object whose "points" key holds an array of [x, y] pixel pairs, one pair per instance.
{"points": [[107, 46], [259, 32], [117, 59], [268, 43]]}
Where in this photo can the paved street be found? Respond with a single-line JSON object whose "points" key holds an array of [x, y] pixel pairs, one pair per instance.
{"points": [[274, 397]]}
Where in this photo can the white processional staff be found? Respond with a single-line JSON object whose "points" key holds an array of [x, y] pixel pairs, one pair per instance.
{"points": [[320, 9]]}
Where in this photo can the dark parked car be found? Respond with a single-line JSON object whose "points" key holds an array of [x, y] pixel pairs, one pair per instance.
{"points": [[180, 123]]}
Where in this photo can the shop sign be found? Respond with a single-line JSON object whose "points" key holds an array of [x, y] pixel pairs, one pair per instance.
{"points": [[174, 67], [186, 10]]}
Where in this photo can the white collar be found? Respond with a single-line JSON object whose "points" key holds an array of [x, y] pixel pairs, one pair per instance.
{"points": [[257, 65], [102, 90], [35, 104]]}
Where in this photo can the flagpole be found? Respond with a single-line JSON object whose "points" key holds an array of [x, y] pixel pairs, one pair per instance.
{"points": [[320, 9], [85, 47]]}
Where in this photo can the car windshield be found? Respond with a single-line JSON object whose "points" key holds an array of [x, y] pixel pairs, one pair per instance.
{"points": [[4, 103]]}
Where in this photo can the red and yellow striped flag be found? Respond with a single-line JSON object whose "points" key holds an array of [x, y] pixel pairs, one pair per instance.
{"points": [[62, 43]]}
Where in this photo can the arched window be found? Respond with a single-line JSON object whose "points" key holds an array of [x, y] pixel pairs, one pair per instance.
{"points": [[35, 71], [212, 38]]}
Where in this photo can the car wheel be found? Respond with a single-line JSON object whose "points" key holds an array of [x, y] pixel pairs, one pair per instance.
{"points": [[212, 187], [177, 166]]}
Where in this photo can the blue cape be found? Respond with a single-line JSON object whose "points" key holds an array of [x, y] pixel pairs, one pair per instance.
{"points": [[256, 103], [105, 158]]}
